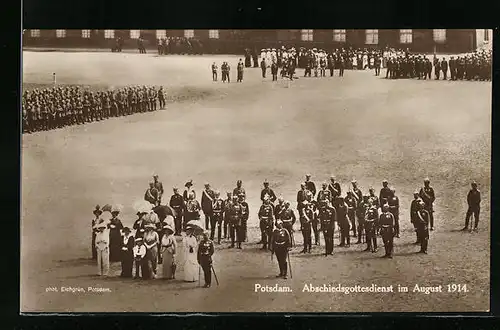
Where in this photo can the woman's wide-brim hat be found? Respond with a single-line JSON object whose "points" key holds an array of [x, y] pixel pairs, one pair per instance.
{"points": [[97, 210], [189, 183], [149, 226], [100, 225], [168, 228]]}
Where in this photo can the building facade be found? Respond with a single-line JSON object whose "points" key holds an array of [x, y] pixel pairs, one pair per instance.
{"points": [[235, 41]]}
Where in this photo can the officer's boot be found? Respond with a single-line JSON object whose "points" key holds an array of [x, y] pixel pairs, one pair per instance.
{"points": [[425, 242], [316, 238], [285, 269]]}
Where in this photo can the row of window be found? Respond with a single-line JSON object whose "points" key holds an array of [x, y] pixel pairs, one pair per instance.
{"points": [[371, 36], [134, 34]]}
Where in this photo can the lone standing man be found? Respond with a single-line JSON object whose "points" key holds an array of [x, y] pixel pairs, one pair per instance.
{"points": [[281, 242], [474, 201], [207, 198], [310, 185], [428, 197], [205, 252]]}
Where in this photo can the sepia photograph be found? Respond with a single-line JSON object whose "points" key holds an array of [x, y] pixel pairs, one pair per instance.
{"points": [[295, 171]]}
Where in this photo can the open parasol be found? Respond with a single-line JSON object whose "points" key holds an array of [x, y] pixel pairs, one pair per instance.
{"points": [[196, 225], [163, 211], [142, 206]]}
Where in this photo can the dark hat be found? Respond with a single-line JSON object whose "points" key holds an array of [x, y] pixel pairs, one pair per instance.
{"points": [[474, 183], [239, 182], [189, 183], [266, 182], [126, 230], [97, 209]]}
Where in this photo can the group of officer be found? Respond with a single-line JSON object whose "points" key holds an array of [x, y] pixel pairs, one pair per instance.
{"points": [[179, 45], [474, 66], [55, 107]]}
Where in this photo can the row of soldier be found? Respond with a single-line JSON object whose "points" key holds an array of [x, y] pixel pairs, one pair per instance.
{"points": [[475, 66], [57, 106]]}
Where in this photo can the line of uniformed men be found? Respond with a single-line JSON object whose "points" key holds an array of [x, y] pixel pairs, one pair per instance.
{"points": [[57, 107]]}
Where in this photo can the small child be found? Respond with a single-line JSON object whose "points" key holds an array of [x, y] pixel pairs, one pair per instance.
{"points": [[139, 254]]}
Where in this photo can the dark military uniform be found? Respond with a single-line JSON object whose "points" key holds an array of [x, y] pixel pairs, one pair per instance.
{"points": [[413, 215], [205, 252], [281, 243], [360, 212], [288, 217], [327, 217], [385, 194], [227, 205], [352, 206], [268, 191], [311, 187], [217, 218], [386, 223], [245, 212], [177, 203], [371, 225], [235, 219], [394, 209], [422, 221], [239, 69], [307, 217], [428, 197], [343, 221], [324, 195], [474, 202], [274, 71], [207, 197], [266, 216]]}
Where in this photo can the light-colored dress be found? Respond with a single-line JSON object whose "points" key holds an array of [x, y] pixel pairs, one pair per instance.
{"points": [[168, 252], [152, 241], [190, 249]]}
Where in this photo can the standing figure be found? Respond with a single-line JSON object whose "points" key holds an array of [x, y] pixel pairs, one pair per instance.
{"points": [[177, 204], [214, 71], [386, 223], [423, 226], [217, 217], [327, 216], [266, 217], [127, 253], [263, 67], [190, 246], [385, 193], [159, 187], [288, 217], [274, 71], [245, 212], [371, 224], [227, 205], [188, 190], [310, 185], [239, 69], [193, 209], [413, 213], [428, 197], [474, 202], [97, 220], [281, 243], [239, 189], [324, 194], [278, 208], [141, 265], [373, 198], [168, 251], [301, 197], [235, 222], [267, 192], [151, 241], [334, 188], [207, 198], [306, 219], [341, 211], [151, 195], [393, 203], [204, 258], [115, 238], [360, 211], [102, 246]]}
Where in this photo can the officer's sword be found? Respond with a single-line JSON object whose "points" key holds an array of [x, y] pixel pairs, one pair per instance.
{"points": [[289, 264], [215, 275]]}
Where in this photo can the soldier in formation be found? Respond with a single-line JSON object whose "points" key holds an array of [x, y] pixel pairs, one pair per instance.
{"points": [[57, 107], [280, 245]]}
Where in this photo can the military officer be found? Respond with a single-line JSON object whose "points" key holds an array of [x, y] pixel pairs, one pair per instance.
{"points": [[263, 67], [239, 189], [227, 205], [239, 69], [474, 202], [214, 71], [360, 208], [301, 197], [334, 188], [280, 245], [385, 192], [267, 192], [274, 71], [324, 194], [235, 218], [217, 217], [422, 220], [373, 198], [327, 216], [306, 218], [393, 203], [177, 204], [310, 185], [266, 217], [204, 256], [279, 208], [413, 213], [159, 187], [207, 198], [352, 206], [245, 212], [428, 197], [288, 217], [371, 224], [386, 223], [343, 222]]}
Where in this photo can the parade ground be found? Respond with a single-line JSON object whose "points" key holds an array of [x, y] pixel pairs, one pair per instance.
{"points": [[358, 126]]}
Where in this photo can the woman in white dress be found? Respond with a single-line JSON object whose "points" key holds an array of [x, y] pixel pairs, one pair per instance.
{"points": [[190, 248]]}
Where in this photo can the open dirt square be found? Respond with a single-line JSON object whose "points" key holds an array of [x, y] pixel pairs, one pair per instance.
{"points": [[359, 126]]}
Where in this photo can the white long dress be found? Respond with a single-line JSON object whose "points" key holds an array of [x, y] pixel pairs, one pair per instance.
{"points": [[191, 271]]}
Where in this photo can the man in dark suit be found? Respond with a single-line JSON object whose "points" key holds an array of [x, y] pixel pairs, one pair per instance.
{"points": [[437, 68], [310, 185], [474, 202], [267, 191], [453, 68], [301, 197]]}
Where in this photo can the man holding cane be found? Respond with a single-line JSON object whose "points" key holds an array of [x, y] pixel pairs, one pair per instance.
{"points": [[205, 252]]}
